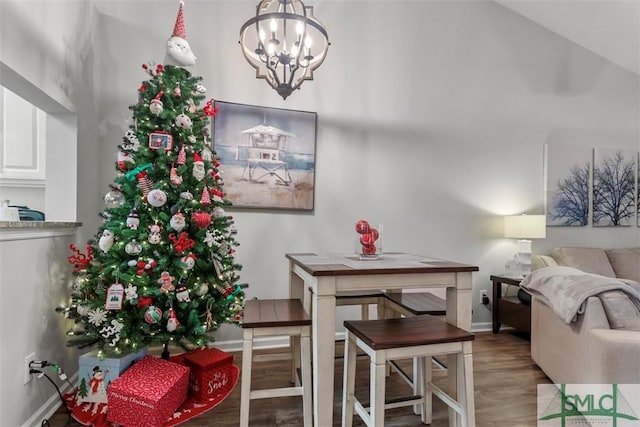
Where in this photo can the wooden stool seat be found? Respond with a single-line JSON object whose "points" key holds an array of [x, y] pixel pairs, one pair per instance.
{"points": [[358, 294], [406, 332], [419, 337], [274, 312], [277, 317], [416, 303], [364, 299]]}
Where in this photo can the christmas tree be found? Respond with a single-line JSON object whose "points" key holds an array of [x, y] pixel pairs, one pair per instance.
{"points": [[161, 267]]}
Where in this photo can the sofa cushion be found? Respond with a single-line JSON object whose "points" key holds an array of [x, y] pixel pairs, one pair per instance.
{"points": [[625, 263], [621, 312], [589, 260], [541, 261]]}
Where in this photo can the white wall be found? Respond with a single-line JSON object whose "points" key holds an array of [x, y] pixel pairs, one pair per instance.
{"points": [[432, 120], [46, 56]]}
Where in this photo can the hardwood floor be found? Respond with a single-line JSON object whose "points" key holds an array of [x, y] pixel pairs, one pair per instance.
{"points": [[505, 391]]}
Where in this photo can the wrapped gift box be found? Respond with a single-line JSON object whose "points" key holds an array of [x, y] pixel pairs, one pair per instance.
{"points": [[95, 373], [211, 373], [148, 394]]}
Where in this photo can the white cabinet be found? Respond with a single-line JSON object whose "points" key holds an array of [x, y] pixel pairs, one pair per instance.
{"points": [[22, 142]]}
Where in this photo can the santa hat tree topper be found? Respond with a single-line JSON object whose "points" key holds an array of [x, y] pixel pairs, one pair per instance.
{"points": [[178, 50]]}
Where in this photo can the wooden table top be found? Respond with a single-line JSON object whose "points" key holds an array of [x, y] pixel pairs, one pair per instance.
{"points": [[386, 263]]}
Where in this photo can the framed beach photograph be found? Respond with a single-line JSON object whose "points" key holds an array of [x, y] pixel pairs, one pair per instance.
{"points": [[267, 155]]}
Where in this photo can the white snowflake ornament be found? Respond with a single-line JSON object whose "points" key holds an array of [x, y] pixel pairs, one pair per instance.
{"points": [[97, 316]]}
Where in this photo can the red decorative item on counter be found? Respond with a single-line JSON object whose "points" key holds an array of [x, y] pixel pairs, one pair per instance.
{"points": [[368, 238], [362, 226], [148, 393], [211, 373]]}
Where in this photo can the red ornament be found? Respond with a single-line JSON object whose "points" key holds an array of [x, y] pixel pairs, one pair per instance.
{"points": [[153, 315], [182, 243], [144, 183], [367, 239], [369, 250], [217, 194], [146, 266], [209, 110], [182, 156], [80, 260], [362, 226], [205, 199], [144, 302], [160, 139], [149, 68], [202, 219]]}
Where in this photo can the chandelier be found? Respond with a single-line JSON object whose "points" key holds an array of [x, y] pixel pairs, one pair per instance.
{"points": [[284, 43]]}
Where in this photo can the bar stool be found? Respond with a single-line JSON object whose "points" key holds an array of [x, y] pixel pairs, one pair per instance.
{"points": [[411, 304], [364, 299], [276, 317], [398, 338], [416, 303]]}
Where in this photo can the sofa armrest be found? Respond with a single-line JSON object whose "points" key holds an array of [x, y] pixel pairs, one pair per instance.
{"points": [[615, 355], [563, 350]]}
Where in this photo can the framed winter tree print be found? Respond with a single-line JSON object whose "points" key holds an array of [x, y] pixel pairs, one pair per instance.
{"points": [[614, 182], [568, 178], [267, 155]]}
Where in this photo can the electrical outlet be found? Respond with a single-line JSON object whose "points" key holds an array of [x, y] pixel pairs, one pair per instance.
{"points": [[27, 375], [484, 297]]}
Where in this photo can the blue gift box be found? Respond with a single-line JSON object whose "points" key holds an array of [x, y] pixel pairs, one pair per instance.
{"points": [[95, 373]]}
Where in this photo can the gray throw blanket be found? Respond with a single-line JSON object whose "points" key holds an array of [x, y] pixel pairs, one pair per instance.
{"points": [[565, 289]]}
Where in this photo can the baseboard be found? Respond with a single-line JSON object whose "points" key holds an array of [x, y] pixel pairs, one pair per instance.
{"points": [[482, 327], [50, 407]]}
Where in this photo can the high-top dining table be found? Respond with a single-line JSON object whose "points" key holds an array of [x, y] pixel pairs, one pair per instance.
{"points": [[315, 279]]}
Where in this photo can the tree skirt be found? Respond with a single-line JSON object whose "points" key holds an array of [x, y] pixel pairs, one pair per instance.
{"points": [[95, 414]]}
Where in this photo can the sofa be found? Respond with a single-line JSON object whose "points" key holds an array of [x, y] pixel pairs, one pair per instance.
{"points": [[600, 343]]}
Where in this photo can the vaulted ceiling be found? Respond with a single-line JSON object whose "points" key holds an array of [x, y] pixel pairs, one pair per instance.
{"points": [[609, 28]]}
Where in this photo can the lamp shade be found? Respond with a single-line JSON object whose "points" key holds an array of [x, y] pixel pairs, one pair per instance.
{"points": [[525, 226]]}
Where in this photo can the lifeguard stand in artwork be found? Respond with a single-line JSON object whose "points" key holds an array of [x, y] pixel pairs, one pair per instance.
{"points": [[264, 154]]}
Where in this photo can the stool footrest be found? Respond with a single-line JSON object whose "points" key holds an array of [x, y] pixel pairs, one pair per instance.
{"points": [[272, 357], [442, 395], [400, 402], [403, 375], [276, 392]]}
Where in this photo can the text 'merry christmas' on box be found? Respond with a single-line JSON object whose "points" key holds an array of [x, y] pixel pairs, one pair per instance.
{"points": [[148, 393], [96, 373], [211, 373]]}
